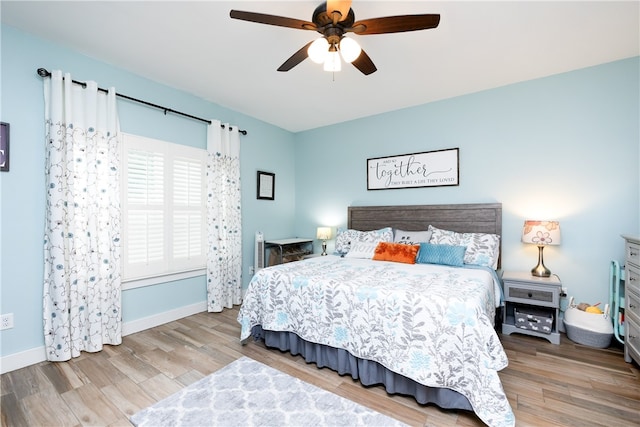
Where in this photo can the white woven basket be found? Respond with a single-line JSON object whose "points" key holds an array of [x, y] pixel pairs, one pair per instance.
{"points": [[590, 329]]}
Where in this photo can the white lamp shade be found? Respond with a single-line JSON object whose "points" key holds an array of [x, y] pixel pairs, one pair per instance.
{"points": [[333, 63], [349, 49], [541, 233], [323, 233], [318, 50]]}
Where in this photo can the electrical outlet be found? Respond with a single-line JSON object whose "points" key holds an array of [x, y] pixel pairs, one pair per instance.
{"points": [[564, 291], [251, 270], [6, 321]]}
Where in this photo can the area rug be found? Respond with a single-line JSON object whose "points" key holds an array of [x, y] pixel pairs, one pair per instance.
{"points": [[248, 393]]}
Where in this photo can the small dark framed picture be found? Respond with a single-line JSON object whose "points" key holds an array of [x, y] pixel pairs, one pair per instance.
{"points": [[266, 185], [4, 147]]}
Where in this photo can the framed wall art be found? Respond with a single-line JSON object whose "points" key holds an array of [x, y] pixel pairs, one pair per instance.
{"points": [[266, 185], [429, 169], [4, 147]]}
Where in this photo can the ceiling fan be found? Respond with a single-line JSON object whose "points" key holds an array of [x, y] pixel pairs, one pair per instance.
{"points": [[333, 19]]}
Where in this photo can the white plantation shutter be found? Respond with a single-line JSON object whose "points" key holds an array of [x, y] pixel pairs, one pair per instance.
{"points": [[145, 202], [145, 237], [164, 207], [188, 201]]}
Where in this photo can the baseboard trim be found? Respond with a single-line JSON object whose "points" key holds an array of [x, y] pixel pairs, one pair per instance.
{"points": [[20, 360], [36, 355], [138, 325]]}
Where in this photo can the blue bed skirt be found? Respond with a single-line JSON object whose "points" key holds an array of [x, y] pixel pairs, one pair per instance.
{"points": [[368, 372]]}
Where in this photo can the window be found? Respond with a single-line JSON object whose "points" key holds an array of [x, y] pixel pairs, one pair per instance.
{"points": [[163, 208]]}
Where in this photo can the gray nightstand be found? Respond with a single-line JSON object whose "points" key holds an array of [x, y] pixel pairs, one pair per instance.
{"points": [[532, 305]]}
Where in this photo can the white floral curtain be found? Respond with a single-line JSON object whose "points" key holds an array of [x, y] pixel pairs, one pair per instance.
{"points": [[82, 303], [224, 218]]}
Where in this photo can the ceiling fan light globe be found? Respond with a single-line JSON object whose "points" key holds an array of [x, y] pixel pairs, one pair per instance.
{"points": [[318, 50], [349, 49], [333, 63]]}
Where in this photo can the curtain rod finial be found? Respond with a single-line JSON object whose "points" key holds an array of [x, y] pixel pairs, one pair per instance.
{"points": [[43, 72]]}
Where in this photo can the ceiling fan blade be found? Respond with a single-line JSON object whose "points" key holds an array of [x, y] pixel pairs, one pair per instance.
{"points": [[296, 58], [395, 24], [341, 6], [364, 64], [279, 21]]}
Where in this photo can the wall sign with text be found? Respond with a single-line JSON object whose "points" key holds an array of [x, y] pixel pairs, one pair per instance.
{"points": [[429, 169]]}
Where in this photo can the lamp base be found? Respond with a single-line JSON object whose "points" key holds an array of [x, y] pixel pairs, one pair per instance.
{"points": [[540, 270], [324, 248]]}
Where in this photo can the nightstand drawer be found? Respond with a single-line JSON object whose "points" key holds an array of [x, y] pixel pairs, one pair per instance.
{"points": [[632, 253], [532, 294]]}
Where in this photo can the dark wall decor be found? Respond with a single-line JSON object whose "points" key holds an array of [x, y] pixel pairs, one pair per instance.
{"points": [[4, 147], [266, 185], [428, 169]]}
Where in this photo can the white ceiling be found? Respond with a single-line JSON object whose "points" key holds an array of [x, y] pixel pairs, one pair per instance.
{"points": [[198, 48]]}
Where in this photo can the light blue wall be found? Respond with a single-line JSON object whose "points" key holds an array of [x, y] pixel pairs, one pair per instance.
{"points": [[266, 147], [564, 147]]}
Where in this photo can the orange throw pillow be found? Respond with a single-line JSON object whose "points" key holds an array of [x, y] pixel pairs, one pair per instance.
{"points": [[396, 252]]}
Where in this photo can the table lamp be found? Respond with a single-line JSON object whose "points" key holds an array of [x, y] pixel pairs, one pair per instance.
{"points": [[324, 234], [541, 233]]}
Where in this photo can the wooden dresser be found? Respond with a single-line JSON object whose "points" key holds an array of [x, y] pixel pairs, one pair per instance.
{"points": [[632, 299]]}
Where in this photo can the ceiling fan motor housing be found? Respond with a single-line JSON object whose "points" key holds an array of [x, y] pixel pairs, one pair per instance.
{"points": [[321, 17], [332, 30]]}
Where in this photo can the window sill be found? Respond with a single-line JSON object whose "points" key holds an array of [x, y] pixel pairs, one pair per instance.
{"points": [[151, 281]]}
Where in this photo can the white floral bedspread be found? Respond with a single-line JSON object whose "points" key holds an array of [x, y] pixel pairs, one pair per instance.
{"points": [[430, 323]]}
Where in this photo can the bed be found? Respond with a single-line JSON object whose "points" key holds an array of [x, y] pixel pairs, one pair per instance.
{"points": [[423, 329]]}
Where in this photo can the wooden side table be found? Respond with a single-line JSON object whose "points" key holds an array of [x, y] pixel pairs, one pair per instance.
{"points": [[529, 302]]}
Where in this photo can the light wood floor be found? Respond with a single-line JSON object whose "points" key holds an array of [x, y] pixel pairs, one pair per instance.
{"points": [[547, 385]]}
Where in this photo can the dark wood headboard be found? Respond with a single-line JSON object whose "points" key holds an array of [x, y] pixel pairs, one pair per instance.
{"points": [[463, 218]]}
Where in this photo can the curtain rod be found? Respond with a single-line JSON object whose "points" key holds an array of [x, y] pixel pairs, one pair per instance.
{"points": [[42, 72]]}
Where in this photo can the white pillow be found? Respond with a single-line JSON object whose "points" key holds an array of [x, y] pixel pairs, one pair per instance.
{"points": [[346, 237], [411, 237], [362, 250]]}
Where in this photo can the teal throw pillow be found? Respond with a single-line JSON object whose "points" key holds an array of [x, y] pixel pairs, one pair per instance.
{"points": [[441, 254]]}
